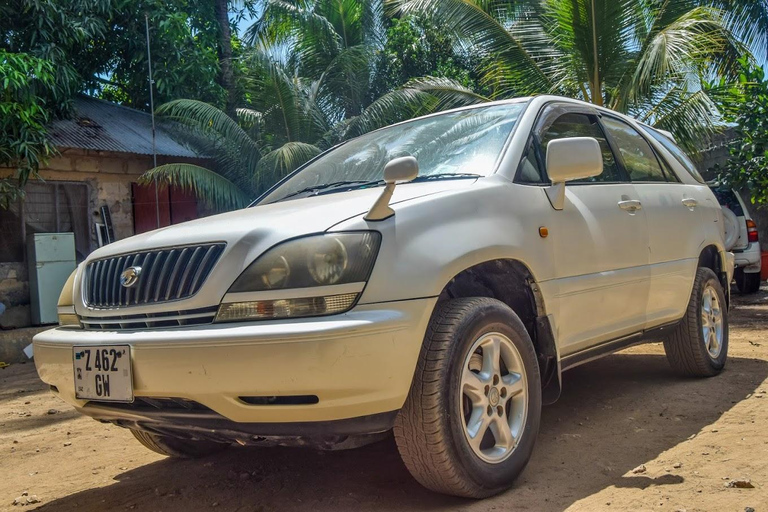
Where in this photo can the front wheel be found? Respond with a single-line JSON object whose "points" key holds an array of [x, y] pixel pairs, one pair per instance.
{"points": [[747, 282], [472, 416], [699, 345]]}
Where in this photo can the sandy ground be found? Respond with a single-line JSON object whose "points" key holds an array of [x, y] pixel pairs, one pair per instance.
{"points": [[616, 414]]}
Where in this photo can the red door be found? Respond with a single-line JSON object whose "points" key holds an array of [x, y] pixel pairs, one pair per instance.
{"points": [[175, 206]]}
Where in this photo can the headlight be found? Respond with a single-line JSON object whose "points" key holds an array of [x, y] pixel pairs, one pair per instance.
{"points": [[280, 283], [65, 306]]}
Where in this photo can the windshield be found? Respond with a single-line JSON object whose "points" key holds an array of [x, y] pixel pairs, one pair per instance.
{"points": [[451, 145]]}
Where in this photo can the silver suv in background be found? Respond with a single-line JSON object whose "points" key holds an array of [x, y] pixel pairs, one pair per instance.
{"points": [[741, 238]]}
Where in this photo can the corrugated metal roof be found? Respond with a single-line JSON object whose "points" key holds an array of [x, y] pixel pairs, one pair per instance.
{"points": [[106, 126]]}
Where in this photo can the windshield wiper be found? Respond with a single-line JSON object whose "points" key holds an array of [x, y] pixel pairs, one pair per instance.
{"points": [[342, 186], [445, 175], [317, 189]]}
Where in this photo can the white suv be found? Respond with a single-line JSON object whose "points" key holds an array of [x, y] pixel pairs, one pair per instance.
{"points": [[433, 278], [741, 238]]}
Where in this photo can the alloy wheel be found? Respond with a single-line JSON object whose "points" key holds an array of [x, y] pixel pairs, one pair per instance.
{"points": [[494, 397], [711, 322]]}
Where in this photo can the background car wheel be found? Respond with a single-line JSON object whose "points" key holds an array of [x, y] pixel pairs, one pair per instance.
{"points": [[699, 345], [176, 447], [472, 416], [746, 282]]}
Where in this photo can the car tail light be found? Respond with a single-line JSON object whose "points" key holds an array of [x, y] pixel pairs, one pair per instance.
{"points": [[751, 231]]}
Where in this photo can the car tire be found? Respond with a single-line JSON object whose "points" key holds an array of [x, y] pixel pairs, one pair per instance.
{"points": [[746, 282], [177, 447], [433, 428], [698, 347]]}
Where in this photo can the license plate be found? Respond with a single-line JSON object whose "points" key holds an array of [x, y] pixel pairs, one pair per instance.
{"points": [[103, 373]]}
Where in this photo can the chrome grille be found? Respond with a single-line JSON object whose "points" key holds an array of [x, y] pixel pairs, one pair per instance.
{"points": [[166, 274], [151, 320]]}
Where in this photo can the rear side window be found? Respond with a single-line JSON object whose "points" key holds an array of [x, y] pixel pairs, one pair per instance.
{"points": [[637, 155], [678, 153]]}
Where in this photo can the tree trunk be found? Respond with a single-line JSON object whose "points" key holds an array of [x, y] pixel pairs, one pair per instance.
{"points": [[225, 55]]}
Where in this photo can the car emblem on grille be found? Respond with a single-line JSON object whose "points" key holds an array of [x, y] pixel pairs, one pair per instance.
{"points": [[130, 276]]}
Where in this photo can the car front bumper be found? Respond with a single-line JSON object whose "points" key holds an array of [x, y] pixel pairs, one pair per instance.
{"points": [[359, 365]]}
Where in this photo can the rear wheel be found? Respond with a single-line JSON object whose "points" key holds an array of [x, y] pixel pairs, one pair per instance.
{"points": [[176, 447], [747, 282], [699, 345], [471, 419]]}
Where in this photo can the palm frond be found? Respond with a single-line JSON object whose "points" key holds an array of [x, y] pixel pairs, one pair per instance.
{"points": [[748, 20], [248, 116], [345, 82], [418, 97], [690, 116], [282, 21], [467, 22], [211, 187], [282, 161], [688, 46], [210, 120]]}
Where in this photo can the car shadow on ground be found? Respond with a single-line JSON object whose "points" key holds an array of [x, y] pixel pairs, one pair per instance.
{"points": [[614, 415]]}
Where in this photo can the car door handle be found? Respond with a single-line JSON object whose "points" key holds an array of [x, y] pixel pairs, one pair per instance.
{"points": [[630, 205], [690, 202]]}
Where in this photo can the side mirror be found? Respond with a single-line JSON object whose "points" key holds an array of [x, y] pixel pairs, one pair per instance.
{"points": [[405, 168], [574, 158]]}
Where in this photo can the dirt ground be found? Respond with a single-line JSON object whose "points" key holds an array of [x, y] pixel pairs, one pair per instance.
{"points": [[619, 413]]}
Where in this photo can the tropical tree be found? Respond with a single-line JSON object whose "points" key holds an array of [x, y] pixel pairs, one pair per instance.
{"points": [[281, 127], [24, 143], [415, 46], [333, 42], [647, 58], [745, 107], [61, 33], [308, 71]]}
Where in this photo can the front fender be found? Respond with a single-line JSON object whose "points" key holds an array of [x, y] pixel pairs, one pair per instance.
{"points": [[431, 239]]}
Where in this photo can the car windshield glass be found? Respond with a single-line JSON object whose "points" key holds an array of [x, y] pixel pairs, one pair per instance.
{"points": [[453, 145]]}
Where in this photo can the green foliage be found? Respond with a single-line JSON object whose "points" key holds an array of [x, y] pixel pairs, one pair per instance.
{"points": [[416, 47], [52, 50], [69, 34], [213, 188], [646, 58], [278, 131], [745, 105], [183, 42], [26, 82], [279, 163]]}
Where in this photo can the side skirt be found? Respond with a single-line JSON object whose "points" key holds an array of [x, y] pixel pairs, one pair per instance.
{"points": [[609, 347]]}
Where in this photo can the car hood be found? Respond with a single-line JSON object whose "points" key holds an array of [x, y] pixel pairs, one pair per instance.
{"points": [[247, 234], [251, 228]]}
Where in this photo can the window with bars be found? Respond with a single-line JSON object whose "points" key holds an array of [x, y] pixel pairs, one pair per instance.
{"points": [[48, 207]]}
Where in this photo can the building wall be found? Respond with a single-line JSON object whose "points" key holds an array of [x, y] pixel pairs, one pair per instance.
{"points": [[109, 177]]}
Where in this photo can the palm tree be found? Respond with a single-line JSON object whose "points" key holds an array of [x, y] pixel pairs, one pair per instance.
{"points": [[332, 41], [647, 58], [307, 73], [281, 128]]}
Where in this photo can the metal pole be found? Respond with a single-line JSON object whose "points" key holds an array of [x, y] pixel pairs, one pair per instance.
{"points": [[152, 111]]}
